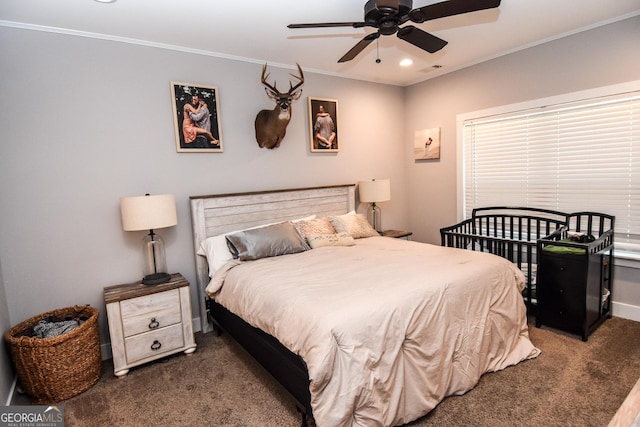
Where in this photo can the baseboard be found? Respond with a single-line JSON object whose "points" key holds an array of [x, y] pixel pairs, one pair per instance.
{"points": [[12, 390], [196, 324], [626, 311]]}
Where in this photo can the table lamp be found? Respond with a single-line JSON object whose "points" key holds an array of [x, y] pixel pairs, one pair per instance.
{"points": [[376, 190], [149, 213]]}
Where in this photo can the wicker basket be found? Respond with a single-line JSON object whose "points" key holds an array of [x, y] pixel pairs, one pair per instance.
{"points": [[54, 369]]}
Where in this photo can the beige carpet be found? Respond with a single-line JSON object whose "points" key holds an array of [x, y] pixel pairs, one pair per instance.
{"points": [[572, 383]]}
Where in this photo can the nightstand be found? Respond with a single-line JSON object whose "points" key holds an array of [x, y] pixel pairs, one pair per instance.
{"points": [[398, 234], [148, 322]]}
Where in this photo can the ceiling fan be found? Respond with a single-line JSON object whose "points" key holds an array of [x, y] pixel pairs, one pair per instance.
{"points": [[388, 15]]}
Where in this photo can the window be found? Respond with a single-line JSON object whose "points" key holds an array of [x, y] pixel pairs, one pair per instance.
{"points": [[572, 155]]}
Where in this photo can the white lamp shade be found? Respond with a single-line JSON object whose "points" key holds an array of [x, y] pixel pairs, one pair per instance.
{"points": [[148, 212], [376, 190]]}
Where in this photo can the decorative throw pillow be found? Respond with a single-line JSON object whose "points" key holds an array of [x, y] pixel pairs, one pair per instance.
{"points": [[315, 227], [273, 240], [216, 250], [356, 225], [336, 239]]}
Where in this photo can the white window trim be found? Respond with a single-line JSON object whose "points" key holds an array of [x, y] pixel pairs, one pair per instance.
{"points": [[626, 259]]}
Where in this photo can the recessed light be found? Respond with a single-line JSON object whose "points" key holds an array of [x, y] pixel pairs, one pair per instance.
{"points": [[106, 1], [406, 62]]}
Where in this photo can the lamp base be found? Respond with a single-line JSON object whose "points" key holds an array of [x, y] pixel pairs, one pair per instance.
{"points": [[156, 278], [374, 215]]}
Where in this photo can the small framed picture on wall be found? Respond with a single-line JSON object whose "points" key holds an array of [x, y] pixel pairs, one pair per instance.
{"points": [[196, 118], [323, 125], [426, 145]]}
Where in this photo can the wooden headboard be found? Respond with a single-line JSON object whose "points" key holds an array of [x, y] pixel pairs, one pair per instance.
{"points": [[218, 214]]}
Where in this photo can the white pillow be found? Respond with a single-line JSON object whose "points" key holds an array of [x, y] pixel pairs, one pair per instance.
{"points": [[217, 252], [356, 225]]}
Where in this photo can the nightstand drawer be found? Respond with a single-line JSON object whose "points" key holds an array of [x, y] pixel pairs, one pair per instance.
{"points": [[154, 343], [149, 312], [148, 322]]}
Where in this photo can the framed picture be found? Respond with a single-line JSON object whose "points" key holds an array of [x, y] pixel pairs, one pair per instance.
{"points": [[426, 145], [323, 125], [196, 118]]}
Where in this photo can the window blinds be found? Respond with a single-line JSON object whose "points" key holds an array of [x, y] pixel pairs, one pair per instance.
{"points": [[579, 156]]}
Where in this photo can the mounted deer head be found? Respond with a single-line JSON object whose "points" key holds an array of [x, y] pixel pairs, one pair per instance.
{"points": [[271, 125]]}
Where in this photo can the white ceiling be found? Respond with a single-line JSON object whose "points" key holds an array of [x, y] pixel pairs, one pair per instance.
{"points": [[256, 30]]}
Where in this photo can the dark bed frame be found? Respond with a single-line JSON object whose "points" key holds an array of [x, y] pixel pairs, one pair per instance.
{"points": [[219, 214], [284, 366]]}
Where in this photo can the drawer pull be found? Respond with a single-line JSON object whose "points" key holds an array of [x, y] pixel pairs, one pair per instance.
{"points": [[156, 345], [154, 324]]}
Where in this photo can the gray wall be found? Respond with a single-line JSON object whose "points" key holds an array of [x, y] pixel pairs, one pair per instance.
{"points": [[87, 121], [599, 57], [6, 373]]}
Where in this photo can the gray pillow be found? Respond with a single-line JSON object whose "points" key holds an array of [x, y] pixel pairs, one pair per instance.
{"points": [[269, 241]]}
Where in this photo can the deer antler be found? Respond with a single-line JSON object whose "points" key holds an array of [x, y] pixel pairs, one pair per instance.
{"points": [[264, 78], [300, 78], [274, 88]]}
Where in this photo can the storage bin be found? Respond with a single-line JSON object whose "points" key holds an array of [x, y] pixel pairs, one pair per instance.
{"points": [[57, 368]]}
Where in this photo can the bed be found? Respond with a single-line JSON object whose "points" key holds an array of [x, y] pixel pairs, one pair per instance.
{"points": [[360, 329]]}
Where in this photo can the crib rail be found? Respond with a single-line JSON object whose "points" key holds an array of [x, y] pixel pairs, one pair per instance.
{"points": [[521, 253], [520, 233], [518, 223]]}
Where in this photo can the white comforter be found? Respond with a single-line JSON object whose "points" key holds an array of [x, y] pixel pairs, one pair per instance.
{"points": [[388, 327]]}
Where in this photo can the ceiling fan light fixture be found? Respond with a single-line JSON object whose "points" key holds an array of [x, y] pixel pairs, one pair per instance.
{"points": [[387, 28]]}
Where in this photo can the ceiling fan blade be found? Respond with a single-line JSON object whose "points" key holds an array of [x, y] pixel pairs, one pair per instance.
{"points": [[329, 24], [450, 8], [421, 39], [359, 47]]}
